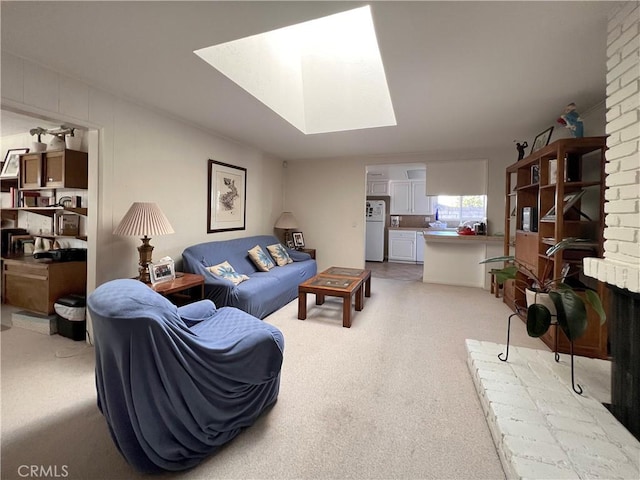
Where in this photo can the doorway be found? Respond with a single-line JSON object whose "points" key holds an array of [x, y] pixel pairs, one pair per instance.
{"points": [[15, 132]]}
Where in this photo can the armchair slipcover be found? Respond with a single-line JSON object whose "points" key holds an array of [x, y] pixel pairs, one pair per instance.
{"points": [[174, 384]]}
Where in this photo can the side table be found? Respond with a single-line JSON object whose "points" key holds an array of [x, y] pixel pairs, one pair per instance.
{"points": [[310, 251], [185, 288]]}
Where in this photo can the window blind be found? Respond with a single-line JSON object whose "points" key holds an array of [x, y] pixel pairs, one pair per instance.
{"points": [[462, 177]]}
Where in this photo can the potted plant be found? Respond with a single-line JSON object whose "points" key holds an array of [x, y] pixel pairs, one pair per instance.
{"points": [[39, 146], [570, 308]]}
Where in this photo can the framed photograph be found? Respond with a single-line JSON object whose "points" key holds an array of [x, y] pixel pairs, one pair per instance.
{"points": [[535, 174], [570, 200], [11, 164], [227, 197], [298, 240], [290, 244], [542, 140], [163, 271]]}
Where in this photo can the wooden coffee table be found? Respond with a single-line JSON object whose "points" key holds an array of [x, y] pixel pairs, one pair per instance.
{"points": [[345, 283]]}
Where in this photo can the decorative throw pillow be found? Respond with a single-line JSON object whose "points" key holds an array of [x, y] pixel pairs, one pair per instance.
{"points": [[226, 271], [279, 254], [262, 260]]}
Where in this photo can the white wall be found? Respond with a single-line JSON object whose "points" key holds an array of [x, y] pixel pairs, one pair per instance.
{"points": [[143, 156], [327, 198]]}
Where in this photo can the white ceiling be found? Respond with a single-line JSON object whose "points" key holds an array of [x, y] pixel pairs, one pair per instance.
{"points": [[461, 74]]}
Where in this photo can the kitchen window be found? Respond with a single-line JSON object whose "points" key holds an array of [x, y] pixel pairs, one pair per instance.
{"points": [[457, 209]]}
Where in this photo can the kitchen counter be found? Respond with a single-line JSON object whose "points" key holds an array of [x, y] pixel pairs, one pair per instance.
{"points": [[452, 236], [452, 259], [415, 229]]}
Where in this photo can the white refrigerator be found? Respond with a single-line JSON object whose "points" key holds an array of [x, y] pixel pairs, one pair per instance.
{"points": [[375, 212]]}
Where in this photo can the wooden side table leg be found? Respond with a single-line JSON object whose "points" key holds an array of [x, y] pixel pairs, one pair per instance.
{"points": [[319, 298], [302, 305], [367, 287]]}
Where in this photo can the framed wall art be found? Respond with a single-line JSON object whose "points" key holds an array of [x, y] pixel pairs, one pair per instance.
{"points": [[570, 199], [542, 140], [11, 164], [227, 200]]}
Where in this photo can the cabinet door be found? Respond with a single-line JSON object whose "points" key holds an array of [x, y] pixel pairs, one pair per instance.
{"points": [[402, 246], [421, 203], [527, 249], [400, 197], [31, 170], [378, 188], [54, 169], [65, 169]]}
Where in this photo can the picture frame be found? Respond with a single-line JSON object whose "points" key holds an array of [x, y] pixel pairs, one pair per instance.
{"points": [[163, 271], [570, 200], [535, 174], [227, 197], [298, 240], [290, 244], [11, 164], [542, 140]]}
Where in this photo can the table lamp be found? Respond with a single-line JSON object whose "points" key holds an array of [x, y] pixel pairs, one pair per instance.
{"points": [[145, 220], [286, 222]]}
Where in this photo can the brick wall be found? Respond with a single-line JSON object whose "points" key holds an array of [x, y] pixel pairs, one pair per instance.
{"points": [[621, 263]]}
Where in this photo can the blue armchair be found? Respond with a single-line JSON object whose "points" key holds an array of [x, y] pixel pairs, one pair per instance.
{"points": [[174, 384]]}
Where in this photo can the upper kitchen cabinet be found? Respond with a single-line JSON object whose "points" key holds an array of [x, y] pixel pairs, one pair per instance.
{"points": [[409, 198], [54, 169], [378, 187]]}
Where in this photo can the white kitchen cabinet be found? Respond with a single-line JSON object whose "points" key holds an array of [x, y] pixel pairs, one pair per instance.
{"points": [[402, 246], [408, 198], [419, 247], [378, 187], [401, 203]]}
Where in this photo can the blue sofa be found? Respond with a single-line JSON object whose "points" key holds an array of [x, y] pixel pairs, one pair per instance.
{"points": [[264, 292]]}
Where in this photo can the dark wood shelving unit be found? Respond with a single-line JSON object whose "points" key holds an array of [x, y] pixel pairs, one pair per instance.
{"points": [[563, 167]]}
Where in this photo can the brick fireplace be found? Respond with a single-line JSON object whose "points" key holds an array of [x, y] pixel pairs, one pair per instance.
{"points": [[620, 267]]}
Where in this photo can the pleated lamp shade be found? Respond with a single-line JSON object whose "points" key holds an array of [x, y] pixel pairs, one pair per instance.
{"points": [[286, 221], [144, 219]]}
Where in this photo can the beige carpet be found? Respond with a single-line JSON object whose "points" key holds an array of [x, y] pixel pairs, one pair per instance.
{"points": [[391, 397]]}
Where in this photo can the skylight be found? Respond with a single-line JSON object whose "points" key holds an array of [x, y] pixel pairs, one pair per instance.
{"points": [[324, 75]]}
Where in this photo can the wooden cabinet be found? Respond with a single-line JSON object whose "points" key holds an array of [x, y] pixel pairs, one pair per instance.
{"points": [[35, 285], [54, 169], [32, 284], [561, 188]]}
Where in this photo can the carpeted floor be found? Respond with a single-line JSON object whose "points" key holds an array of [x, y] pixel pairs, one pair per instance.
{"points": [[391, 397]]}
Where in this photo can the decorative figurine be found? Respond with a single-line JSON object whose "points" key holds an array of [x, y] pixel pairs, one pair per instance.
{"points": [[520, 147], [571, 119]]}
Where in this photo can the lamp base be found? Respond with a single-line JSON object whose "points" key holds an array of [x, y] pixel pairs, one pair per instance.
{"points": [[145, 250]]}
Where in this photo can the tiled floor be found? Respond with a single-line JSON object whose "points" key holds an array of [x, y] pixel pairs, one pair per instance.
{"points": [[397, 271]]}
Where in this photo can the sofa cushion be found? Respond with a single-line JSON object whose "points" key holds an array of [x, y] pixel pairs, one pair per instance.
{"points": [[262, 260], [226, 271], [279, 254]]}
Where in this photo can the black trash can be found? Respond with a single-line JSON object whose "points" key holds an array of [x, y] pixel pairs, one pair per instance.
{"points": [[71, 316]]}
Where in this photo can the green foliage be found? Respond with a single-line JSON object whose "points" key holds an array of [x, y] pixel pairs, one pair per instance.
{"points": [[571, 310]]}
